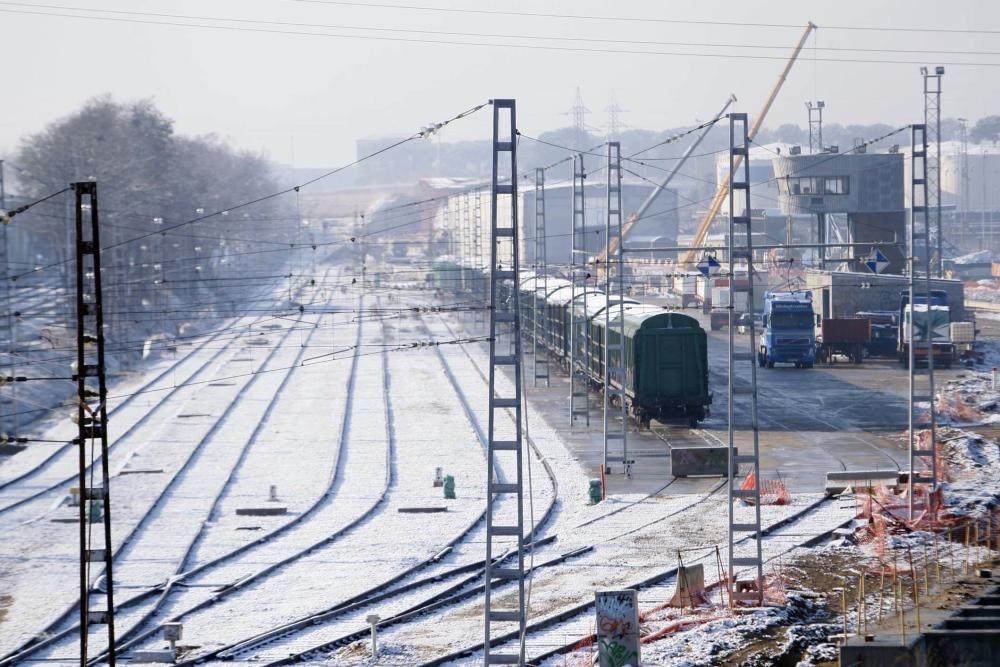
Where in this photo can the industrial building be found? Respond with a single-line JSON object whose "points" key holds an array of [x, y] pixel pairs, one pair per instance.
{"points": [[657, 228], [970, 196], [855, 199], [455, 221]]}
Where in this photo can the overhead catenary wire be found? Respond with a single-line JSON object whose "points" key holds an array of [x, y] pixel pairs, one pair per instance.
{"points": [[546, 37], [6, 216], [636, 19], [727, 54], [423, 132]]}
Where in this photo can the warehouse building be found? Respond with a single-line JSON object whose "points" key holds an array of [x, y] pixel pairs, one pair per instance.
{"points": [[842, 294]]}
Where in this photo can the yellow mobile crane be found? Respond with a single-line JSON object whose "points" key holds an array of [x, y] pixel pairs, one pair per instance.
{"points": [[720, 195]]}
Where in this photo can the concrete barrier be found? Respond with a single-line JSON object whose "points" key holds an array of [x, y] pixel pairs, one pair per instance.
{"points": [[699, 461], [261, 511], [838, 481]]}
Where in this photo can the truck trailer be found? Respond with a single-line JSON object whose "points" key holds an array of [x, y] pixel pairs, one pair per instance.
{"points": [[883, 341], [719, 303], [847, 336]]}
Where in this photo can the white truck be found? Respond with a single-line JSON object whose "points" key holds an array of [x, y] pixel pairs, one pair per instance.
{"points": [[933, 327]]}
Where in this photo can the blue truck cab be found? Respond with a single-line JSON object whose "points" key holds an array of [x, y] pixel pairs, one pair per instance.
{"points": [[789, 330]]}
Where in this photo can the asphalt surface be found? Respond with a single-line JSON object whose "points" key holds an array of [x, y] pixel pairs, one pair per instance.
{"points": [[812, 421]]}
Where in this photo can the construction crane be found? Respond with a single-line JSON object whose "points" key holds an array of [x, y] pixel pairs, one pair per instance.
{"points": [[600, 258], [720, 194]]}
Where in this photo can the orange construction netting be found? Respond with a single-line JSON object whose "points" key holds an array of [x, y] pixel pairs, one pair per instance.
{"points": [[772, 491]]}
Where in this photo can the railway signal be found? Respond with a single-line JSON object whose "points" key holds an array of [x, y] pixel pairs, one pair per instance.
{"points": [[877, 262], [709, 266]]}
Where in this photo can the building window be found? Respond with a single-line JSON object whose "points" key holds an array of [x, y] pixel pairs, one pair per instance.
{"points": [[818, 185], [836, 185]]}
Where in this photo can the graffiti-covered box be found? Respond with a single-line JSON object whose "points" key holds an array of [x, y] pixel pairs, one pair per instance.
{"points": [[617, 628]]}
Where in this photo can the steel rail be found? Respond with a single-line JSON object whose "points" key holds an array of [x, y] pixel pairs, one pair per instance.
{"points": [[50, 634]]}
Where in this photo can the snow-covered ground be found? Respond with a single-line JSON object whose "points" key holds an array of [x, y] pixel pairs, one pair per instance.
{"points": [[349, 444]]}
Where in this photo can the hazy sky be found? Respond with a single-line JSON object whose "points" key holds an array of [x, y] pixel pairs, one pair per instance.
{"points": [[306, 98]]}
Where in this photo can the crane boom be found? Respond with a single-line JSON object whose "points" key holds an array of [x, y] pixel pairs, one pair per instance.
{"points": [[641, 211], [720, 194]]}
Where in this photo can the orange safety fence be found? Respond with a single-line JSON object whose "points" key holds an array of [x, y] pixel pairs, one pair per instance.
{"points": [[957, 410], [772, 491]]}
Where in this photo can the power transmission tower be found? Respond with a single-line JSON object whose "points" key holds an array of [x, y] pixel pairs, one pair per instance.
{"points": [[741, 247], [614, 119], [816, 126], [932, 121], [579, 113], [921, 380], [579, 342], [615, 418], [504, 324], [539, 317], [92, 419]]}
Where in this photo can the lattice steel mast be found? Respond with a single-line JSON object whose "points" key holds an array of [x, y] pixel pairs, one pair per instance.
{"points": [[504, 324], [816, 126], [743, 520], [539, 321], [932, 123], [921, 456], [479, 283], [11, 331], [467, 270], [579, 343], [92, 419], [615, 418]]}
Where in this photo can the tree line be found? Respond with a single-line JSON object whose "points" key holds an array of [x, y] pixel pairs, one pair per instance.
{"points": [[157, 280]]}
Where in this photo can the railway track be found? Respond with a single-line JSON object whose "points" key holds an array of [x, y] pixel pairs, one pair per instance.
{"points": [[242, 575], [154, 509], [420, 625], [561, 632], [166, 380], [437, 580], [51, 633], [551, 554]]}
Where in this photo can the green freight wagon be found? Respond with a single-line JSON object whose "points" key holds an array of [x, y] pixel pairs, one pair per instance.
{"points": [[666, 365]]}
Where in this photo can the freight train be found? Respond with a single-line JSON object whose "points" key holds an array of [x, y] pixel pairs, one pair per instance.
{"points": [[666, 352]]}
